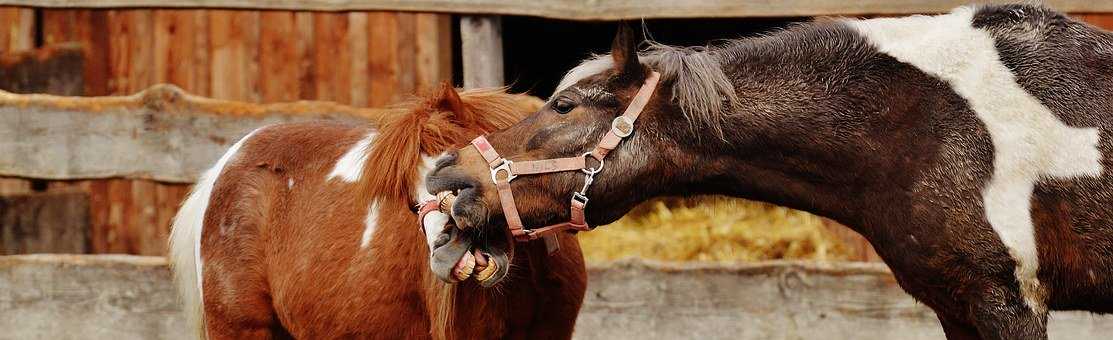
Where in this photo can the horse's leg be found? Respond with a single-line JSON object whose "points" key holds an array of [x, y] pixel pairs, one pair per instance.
{"points": [[237, 302], [957, 330], [1002, 314]]}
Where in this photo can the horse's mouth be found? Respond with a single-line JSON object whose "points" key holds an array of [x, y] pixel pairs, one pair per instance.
{"points": [[458, 255]]}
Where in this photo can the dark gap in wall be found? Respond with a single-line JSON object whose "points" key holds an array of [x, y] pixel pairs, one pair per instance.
{"points": [[539, 51], [40, 36]]}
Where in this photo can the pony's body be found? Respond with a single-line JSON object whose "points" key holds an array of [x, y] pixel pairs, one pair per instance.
{"points": [[292, 245], [967, 147]]}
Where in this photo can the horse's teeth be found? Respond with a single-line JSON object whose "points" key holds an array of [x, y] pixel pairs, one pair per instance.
{"points": [[465, 267], [487, 272]]}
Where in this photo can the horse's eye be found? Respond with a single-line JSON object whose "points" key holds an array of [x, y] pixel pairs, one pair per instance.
{"points": [[563, 106]]}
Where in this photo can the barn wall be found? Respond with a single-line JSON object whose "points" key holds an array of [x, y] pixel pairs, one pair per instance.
{"points": [[356, 58]]}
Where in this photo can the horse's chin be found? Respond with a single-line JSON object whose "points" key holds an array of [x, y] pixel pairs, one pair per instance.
{"points": [[457, 256]]}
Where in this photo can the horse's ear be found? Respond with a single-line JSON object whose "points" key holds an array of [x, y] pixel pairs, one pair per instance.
{"points": [[447, 99], [624, 50]]}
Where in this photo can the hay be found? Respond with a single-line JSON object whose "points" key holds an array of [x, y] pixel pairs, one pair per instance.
{"points": [[713, 229]]}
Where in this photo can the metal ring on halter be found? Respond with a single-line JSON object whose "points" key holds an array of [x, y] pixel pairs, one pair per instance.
{"points": [[592, 171], [504, 166]]}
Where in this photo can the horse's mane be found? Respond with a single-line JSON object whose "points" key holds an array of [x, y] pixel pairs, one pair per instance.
{"points": [[699, 86], [429, 126]]}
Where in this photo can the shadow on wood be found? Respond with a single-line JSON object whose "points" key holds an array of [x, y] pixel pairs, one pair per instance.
{"points": [[44, 223]]}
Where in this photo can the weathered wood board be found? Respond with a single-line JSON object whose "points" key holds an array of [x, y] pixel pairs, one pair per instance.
{"points": [[131, 297], [56, 69], [44, 223], [584, 9], [160, 134]]}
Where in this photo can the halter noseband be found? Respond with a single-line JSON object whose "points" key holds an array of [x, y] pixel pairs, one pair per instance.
{"points": [[503, 170]]}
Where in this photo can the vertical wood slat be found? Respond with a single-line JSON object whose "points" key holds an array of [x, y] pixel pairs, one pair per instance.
{"points": [[92, 33], [59, 26], [405, 56], [278, 57], [332, 59], [305, 45], [174, 48], [17, 28], [131, 58], [433, 51], [382, 55], [358, 43], [234, 38]]}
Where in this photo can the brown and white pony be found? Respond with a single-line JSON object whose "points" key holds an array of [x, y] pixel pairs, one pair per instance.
{"points": [[970, 148], [306, 230]]}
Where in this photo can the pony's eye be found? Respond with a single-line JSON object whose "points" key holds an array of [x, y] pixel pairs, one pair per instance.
{"points": [[563, 106]]}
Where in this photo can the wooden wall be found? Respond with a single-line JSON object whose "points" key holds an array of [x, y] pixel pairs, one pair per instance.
{"points": [[356, 58]]}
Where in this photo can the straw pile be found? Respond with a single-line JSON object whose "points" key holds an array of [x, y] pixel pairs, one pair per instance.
{"points": [[713, 229]]}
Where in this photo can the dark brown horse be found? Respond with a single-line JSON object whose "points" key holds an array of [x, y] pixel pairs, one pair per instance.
{"points": [[306, 230], [966, 147]]}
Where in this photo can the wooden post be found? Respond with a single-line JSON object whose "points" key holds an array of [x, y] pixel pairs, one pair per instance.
{"points": [[481, 37]]}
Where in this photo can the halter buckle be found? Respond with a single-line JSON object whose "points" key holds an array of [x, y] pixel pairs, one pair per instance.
{"points": [[504, 165], [622, 126]]}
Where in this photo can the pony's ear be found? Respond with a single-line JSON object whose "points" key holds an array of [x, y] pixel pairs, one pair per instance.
{"points": [[446, 98], [624, 50]]}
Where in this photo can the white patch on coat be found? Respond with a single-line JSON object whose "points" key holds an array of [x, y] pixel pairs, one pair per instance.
{"points": [[290, 183], [435, 221], [370, 223], [185, 240], [350, 166], [1029, 142], [592, 66]]}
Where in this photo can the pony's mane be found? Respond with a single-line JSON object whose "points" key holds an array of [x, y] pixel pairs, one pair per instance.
{"points": [[700, 88], [430, 126]]}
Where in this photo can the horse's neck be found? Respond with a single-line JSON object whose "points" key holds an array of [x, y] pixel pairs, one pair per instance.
{"points": [[825, 129]]}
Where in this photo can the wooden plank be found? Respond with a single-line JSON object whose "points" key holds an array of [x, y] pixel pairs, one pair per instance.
{"points": [[586, 9], [278, 57], [777, 300], [307, 83], [332, 59], [481, 46], [55, 69], [1103, 20], [382, 55], [358, 43], [234, 38], [12, 186], [59, 26], [433, 36], [175, 48], [405, 70], [93, 34], [44, 223], [98, 215], [142, 225], [17, 28], [161, 134], [130, 54]]}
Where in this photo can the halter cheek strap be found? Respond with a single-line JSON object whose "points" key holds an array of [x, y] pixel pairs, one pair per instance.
{"points": [[503, 171]]}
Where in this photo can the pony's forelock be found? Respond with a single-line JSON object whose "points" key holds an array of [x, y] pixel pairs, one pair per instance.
{"points": [[424, 127], [700, 87]]}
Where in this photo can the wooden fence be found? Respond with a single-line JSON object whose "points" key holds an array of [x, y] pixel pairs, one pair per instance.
{"points": [[355, 58], [358, 58]]}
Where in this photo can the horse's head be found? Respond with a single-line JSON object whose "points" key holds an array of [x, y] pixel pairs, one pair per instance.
{"points": [[571, 125], [414, 134]]}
